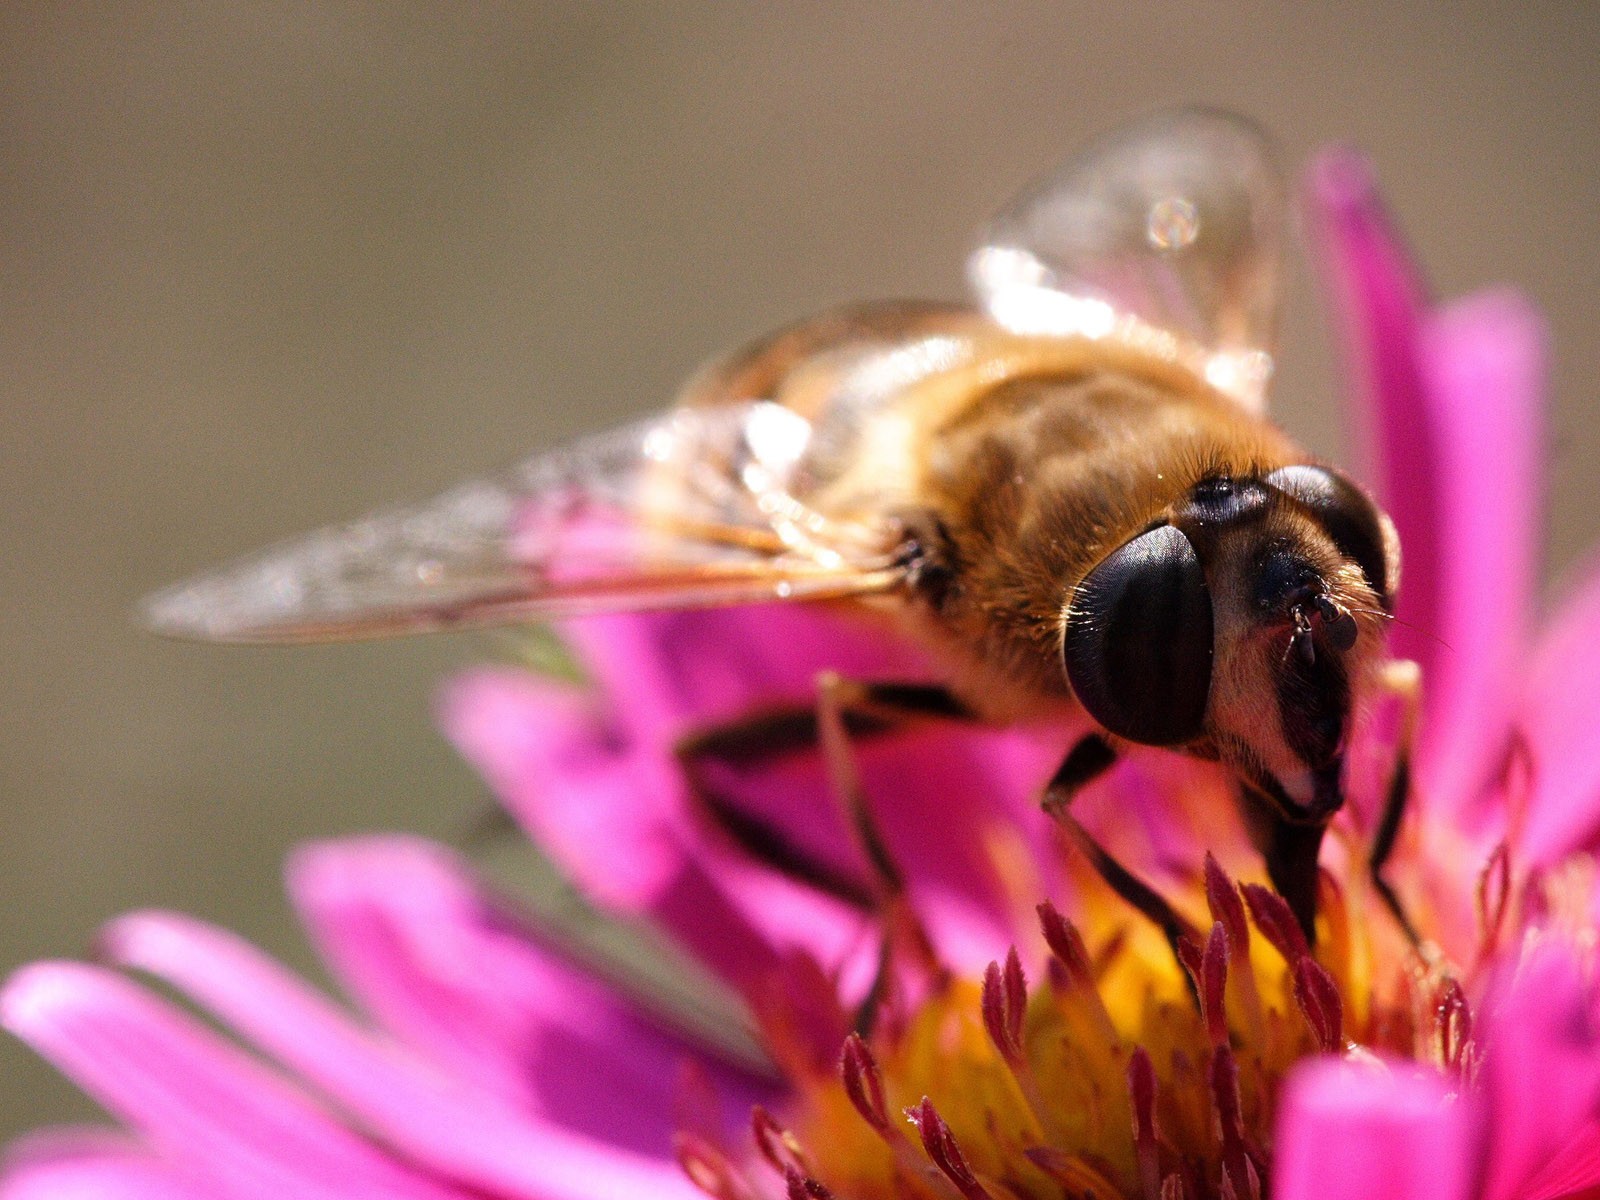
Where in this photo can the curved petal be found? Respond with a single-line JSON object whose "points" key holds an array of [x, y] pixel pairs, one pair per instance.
{"points": [[429, 1117], [1450, 406], [599, 805], [90, 1164], [1541, 1071], [1572, 1173], [1359, 1132], [615, 815], [1558, 715], [1483, 360], [1378, 313], [675, 672], [408, 933], [242, 1130]]}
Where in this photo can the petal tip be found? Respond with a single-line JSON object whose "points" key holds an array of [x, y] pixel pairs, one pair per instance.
{"points": [[1341, 177], [37, 994]]}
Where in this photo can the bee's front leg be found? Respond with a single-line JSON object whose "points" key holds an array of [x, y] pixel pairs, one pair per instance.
{"points": [[1403, 679], [1291, 850], [1091, 757]]}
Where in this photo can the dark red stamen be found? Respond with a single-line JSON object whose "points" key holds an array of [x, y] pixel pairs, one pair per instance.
{"points": [[1275, 919], [1239, 1176], [1318, 997], [1004, 1004], [1493, 897], [1222, 896], [777, 1145], [1193, 960], [1214, 984], [1142, 1092], [708, 1168], [1453, 1020], [863, 1083], [940, 1143], [804, 1187], [1066, 943]]}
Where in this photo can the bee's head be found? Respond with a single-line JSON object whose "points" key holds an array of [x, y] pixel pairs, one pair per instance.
{"points": [[1241, 626]]}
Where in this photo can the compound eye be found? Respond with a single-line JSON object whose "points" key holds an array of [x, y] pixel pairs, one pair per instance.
{"points": [[1137, 645], [1350, 517]]}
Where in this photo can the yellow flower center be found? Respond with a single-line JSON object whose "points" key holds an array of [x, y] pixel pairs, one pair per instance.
{"points": [[1139, 1066]]}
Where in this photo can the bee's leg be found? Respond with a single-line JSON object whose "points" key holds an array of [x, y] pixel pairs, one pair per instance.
{"points": [[903, 930], [1290, 848], [1133, 890], [1291, 851], [1403, 678], [1091, 757], [865, 709]]}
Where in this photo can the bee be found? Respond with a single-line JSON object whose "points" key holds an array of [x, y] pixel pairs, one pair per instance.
{"points": [[1066, 490]]}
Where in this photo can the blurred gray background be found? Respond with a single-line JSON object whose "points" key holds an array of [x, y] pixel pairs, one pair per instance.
{"points": [[266, 265]]}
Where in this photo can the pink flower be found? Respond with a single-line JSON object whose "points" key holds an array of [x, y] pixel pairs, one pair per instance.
{"points": [[1505, 760], [904, 1049]]}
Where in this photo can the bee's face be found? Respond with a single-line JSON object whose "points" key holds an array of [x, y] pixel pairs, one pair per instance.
{"points": [[1242, 626]]}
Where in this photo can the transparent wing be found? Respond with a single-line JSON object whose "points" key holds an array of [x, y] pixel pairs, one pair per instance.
{"points": [[1164, 233], [689, 509]]}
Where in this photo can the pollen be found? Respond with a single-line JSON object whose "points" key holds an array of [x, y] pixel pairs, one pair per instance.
{"points": [[1138, 1063]]}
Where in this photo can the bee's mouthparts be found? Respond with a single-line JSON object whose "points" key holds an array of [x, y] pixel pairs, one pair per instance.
{"points": [[1309, 604]]}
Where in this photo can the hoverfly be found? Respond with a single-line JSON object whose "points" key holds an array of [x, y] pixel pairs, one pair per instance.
{"points": [[1067, 490]]}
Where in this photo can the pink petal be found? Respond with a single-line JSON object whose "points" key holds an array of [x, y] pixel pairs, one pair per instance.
{"points": [[602, 806], [429, 1117], [409, 934], [1541, 1073], [1451, 409], [1378, 306], [1348, 1132], [92, 1164], [1559, 714], [1483, 360], [1573, 1172], [614, 812], [675, 672], [243, 1130]]}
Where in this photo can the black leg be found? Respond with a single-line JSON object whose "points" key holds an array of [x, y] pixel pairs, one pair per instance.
{"points": [[864, 710], [1136, 892], [1090, 757], [1404, 679], [1291, 852], [1289, 847]]}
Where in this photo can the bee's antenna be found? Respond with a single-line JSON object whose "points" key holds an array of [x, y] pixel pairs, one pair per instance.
{"points": [[1388, 616]]}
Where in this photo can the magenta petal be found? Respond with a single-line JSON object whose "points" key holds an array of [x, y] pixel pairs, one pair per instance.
{"points": [[1559, 715], [1379, 313], [1572, 1173], [1483, 360], [613, 813], [601, 806], [93, 1164], [1358, 1132], [194, 1097], [673, 672], [455, 1131], [1541, 1072], [1447, 402], [409, 934]]}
